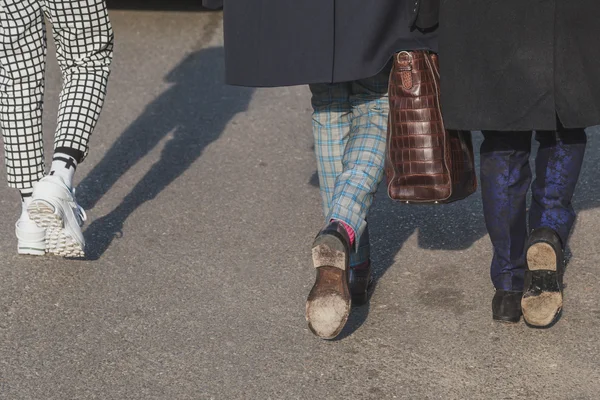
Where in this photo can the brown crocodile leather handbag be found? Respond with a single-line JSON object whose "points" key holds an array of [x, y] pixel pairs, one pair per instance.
{"points": [[425, 163]]}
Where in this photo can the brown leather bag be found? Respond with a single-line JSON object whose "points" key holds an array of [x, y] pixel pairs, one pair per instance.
{"points": [[425, 163]]}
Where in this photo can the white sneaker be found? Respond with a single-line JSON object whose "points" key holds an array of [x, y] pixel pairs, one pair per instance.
{"points": [[54, 208], [30, 239]]}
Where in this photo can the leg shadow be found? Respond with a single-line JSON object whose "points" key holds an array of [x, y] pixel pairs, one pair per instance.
{"points": [[195, 110]]}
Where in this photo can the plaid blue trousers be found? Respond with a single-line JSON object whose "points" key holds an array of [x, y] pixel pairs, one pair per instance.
{"points": [[350, 132]]}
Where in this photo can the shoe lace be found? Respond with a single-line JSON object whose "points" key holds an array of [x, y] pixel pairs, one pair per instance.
{"points": [[80, 212]]}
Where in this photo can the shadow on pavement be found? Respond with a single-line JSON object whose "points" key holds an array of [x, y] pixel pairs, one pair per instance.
{"points": [[195, 110]]}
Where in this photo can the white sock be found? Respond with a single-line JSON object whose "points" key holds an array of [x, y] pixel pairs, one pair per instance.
{"points": [[25, 201], [64, 166]]}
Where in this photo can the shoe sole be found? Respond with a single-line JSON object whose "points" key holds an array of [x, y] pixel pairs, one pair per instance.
{"points": [[360, 299], [31, 243], [31, 251], [541, 309], [58, 240], [506, 320], [329, 302]]}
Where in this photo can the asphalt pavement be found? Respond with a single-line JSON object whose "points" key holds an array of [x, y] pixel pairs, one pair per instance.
{"points": [[203, 203]]}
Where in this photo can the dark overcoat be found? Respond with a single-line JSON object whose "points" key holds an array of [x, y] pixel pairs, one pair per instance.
{"points": [[291, 42], [517, 64], [214, 4]]}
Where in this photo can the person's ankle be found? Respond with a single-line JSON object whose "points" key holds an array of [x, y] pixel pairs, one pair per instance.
{"points": [[349, 231], [64, 164], [26, 197]]}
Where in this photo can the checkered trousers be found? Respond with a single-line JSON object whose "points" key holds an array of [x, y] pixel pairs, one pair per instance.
{"points": [[84, 42], [350, 129]]}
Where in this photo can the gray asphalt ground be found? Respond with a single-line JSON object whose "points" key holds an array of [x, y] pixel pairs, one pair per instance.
{"points": [[203, 203]]}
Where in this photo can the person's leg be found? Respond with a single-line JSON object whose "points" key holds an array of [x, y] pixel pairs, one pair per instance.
{"points": [[551, 218], [332, 123], [364, 155], [349, 123], [328, 303], [84, 42], [22, 65], [84, 38], [557, 167], [363, 165], [505, 179]]}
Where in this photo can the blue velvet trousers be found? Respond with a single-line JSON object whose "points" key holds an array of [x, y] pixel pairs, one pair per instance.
{"points": [[505, 181]]}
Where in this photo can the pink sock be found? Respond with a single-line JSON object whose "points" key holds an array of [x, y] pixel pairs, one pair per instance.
{"points": [[350, 232]]}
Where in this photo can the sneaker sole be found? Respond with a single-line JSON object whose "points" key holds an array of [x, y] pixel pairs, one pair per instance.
{"points": [[31, 251], [541, 309], [58, 240], [329, 302]]}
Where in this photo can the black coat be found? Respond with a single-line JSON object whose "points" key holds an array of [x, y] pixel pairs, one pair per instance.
{"points": [[214, 4], [516, 64], [291, 42]]}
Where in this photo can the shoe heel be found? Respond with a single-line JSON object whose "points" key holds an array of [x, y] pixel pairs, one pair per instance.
{"points": [[329, 251], [44, 214], [31, 240], [58, 241]]}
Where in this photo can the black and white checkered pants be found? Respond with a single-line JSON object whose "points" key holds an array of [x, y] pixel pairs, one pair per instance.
{"points": [[84, 44]]}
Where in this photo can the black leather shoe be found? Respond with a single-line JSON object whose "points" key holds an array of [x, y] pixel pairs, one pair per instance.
{"points": [[506, 305], [543, 298], [328, 304], [360, 279]]}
